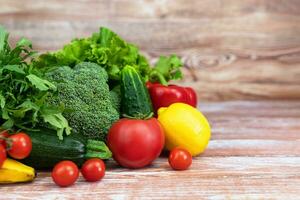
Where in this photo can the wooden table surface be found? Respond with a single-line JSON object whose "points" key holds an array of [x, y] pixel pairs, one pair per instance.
{"points": [[254, 153]]}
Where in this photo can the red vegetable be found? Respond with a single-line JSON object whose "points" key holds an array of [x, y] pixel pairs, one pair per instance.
{"points": [[3, 134], [180, 159], [65, 173], [21, 146], [136, 143], [163, 96], [2, 155], [93, 169]]}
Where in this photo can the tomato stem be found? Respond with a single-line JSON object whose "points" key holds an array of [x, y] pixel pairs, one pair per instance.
{"points": [[8, 142]]}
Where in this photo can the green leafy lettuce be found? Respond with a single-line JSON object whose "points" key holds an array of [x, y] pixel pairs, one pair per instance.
{"points": [[111, 52]]}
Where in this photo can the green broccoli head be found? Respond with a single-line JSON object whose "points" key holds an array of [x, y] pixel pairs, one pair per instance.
{"points": [[85, 94]]}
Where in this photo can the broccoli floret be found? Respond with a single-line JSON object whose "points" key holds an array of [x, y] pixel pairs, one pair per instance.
{"points": [[115, 97], [85, 94]]}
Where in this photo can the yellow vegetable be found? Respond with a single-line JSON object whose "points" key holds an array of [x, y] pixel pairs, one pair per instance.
{"points": [[184, 127], [14, 172]]}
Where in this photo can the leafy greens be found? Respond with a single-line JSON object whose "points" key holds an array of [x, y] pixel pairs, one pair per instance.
{"points": [[23, 91], [111, 52]]}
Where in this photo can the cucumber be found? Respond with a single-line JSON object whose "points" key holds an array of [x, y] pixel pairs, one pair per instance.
{"points": [[135, 98], [47, 149]]}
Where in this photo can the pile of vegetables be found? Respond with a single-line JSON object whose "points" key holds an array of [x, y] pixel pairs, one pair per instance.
{"points": [[96, 98]]}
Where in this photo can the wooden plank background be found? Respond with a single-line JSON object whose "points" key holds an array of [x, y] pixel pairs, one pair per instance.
{"points": [[232, 49]]}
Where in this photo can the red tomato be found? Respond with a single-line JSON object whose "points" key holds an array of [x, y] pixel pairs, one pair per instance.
{"points": [[2, 155], [93, 169], [180, 159], [136, 143], [65, 173], [21, 146], [3, 134]]}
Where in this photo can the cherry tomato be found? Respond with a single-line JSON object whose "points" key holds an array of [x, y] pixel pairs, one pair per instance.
{"points": [[136, 143], [180, 159], [65, 173], [2, 155], [21, 146], [93, 169], [3, 134]]}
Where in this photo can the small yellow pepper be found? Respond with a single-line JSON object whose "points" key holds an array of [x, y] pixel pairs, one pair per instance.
{"points": [[184, 126]]}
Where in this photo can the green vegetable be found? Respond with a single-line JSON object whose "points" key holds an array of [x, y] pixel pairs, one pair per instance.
{"points": [[111, 52], [47, 150], [23, 91], [166, 69], [84, 93], [115, 97], [136, 101]]}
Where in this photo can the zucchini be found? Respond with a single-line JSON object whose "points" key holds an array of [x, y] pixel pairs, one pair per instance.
{"points": [[47, 149], [135, 98]]}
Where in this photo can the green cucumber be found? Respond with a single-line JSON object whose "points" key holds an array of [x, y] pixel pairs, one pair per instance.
{"points": [[136, 102], [47, 149]]}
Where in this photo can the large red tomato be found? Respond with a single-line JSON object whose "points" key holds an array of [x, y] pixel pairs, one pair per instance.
{"points": [[136, 143]]}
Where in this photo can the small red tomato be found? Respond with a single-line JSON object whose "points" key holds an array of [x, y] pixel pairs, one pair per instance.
{"points": [[180, 159], [21, 146], [93, 169], [2, 155], [3, 134], [65, 173]]}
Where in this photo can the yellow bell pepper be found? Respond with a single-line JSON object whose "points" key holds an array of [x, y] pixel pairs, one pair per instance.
{"points": [[184, 126]]}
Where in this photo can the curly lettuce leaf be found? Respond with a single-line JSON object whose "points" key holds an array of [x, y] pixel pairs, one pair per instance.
{"points": [[111, 52]]}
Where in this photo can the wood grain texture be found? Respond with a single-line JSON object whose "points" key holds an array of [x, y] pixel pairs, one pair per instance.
{"points": [[231, 49], [253, 154]]}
